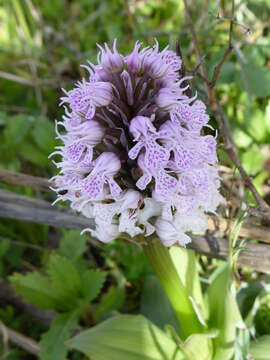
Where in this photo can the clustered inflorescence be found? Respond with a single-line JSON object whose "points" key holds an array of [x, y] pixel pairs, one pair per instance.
{"points": [[133, 157]]}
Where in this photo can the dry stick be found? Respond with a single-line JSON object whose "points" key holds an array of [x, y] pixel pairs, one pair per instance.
{"points": [[20, 340], [19, 201], [218, 113], [21, 207], [36, 182]]}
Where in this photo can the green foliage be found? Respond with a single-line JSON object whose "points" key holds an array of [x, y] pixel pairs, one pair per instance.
{"points": [[53, 342], [63, 289], [153, 293], [187, 267], [72, 245], [126, 337], [223, 314], [130, 256], [260, 349], [110, 302]]}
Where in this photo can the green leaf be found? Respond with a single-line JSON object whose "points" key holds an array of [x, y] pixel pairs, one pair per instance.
{"points": [[241, 139], [223, 314], [125, 337], [257, 79], [65, 281], [92, 282], [31, 153], [34, 288], [72, 245], [53, 342], [199, 346], [253, 160], [17, 128], [44, 134], [64, 289], [256, 125], [260, 349], [242, 344], [153, 293], [4, 247], [187, 268]]}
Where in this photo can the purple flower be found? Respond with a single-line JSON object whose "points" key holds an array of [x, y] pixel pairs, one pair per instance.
{"points": [[133, 156], [134, 60], [111, 61]]}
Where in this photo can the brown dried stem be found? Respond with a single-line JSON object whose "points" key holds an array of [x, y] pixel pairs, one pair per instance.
{"points": [[20, 340]]}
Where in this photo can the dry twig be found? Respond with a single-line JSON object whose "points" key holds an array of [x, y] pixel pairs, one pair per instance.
{"points": [[36, 182], [20, 340], [21, 207]]}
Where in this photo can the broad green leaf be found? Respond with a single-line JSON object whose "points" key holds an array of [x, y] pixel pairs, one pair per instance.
{"points": [[242, 344], [199, 346], [65, 281], [223, 314], [260, 348], [124, 337], [153, 293], [53, 342], [187, 268], [34, 288], [92, 282]]}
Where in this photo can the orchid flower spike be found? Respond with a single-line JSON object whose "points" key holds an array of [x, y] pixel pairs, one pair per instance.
{"points": [[133, 155]]}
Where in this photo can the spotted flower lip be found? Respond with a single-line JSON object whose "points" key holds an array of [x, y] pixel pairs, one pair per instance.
{"points": [[133, 154]]}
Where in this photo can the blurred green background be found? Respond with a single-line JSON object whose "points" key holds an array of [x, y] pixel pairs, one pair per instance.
{"points": [[43, 43]]}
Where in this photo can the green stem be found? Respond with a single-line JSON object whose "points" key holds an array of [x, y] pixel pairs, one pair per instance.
{"points": [[162, 263]]}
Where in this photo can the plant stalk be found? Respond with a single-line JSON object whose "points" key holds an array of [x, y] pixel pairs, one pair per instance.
{"points": [[165, 270]]}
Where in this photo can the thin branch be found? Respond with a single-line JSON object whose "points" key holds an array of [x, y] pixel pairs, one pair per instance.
{"points": [[256, 256], [14, 206], [36, 182], [224, 18], [226, 54], [21, 207], [20, 340]]}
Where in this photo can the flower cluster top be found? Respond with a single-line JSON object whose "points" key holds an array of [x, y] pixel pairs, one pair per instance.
{"points": [[133, 157]]}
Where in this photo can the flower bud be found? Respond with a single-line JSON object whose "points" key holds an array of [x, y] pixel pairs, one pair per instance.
{"points": [[134, 60], [112, 62]]}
